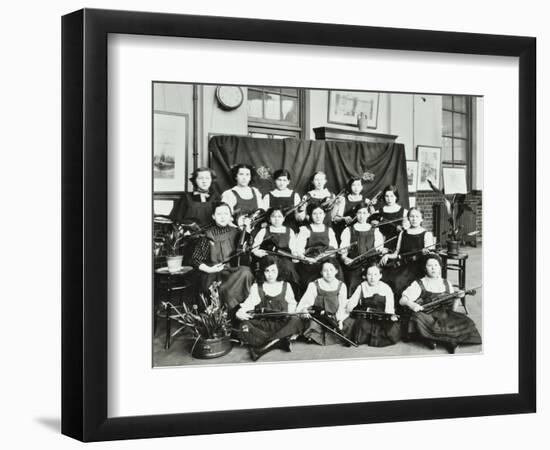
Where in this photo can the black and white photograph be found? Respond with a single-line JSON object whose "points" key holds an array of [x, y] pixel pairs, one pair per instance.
{"points": [[291, 235]]}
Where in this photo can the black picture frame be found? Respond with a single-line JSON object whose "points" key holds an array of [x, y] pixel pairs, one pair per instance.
{"points": [[84, 224]]}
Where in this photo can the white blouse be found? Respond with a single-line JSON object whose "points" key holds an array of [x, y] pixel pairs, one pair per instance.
{"points": [[304, 234], [245, 193], [275, 230], [308, 299], [271, 289], [366, 290], [435, 285], [345, 237]]}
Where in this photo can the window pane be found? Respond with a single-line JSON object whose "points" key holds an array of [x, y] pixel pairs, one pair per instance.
{"points": [[459, 150], [447, 124], [460, 128], [273, 106], [290, 109], [255, 103], [293, 92], [459, 103], [259, 135], [447, 102], [447, 149]]}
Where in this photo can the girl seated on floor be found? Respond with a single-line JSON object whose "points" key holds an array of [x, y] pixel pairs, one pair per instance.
{"points": [[211, 254], [444, 325], [372, 318], [267, 333], [324, 301]]}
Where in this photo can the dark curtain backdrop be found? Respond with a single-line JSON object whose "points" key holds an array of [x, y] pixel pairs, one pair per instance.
{"points": [[382, 163]]}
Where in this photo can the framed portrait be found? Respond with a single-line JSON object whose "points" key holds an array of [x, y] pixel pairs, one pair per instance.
{"points": [[429, 167], [412, 175], [135, 360], [346, 107]]}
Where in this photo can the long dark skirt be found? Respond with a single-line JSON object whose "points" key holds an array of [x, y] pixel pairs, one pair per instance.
{"points": [[376, 333], [320, 335], [235, 284], [258, 332], [443, 325]]}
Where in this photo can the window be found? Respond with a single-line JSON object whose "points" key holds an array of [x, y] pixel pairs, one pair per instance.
{"points": [[275, 113], [457, 130]]}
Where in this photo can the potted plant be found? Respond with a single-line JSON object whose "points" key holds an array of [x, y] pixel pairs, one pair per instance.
{"points": [[455, 205], [172, 243], [211, 328]]}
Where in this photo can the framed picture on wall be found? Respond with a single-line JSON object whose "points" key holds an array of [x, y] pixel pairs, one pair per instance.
{"points": [[412, 175], [346, 107], [429, 167], [454, 180], [170, 151], [113, 163]]}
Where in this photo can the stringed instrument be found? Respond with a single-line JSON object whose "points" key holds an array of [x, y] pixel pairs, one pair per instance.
{"points": [[444, 300]]}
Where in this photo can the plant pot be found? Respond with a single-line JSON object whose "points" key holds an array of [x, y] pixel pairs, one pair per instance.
{"points": [[211, 348], [174, 263], [452, 247]]}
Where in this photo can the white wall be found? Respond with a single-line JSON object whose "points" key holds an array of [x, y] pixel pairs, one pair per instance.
{"points": [[30, 387]]}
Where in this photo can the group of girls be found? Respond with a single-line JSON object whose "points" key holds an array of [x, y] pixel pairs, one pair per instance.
{"points": [[322, 267]]}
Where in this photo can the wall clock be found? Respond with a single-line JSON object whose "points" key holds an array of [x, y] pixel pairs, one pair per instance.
{"points": [[229, 97]]}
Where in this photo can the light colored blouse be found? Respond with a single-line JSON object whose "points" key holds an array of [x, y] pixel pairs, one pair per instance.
{"points": [[365, 290], [308, 299], [271, 289], [345, 237], [304, 234], [275, 230], [412, 293], [246, 193]]}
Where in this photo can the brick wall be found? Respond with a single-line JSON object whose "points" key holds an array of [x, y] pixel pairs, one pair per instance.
{"points": [[426, 200]]}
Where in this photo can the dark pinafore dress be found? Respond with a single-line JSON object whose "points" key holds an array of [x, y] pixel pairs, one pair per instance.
{"points": [[327, 301], [245, 206], [319, 201], [258, 332], [281, 241], [317, 243], [401, 273], [365, 242], [235, 281], [285, 203], [241, 208], [188, 210], [443, 324], [390, 230], [349, 207], [371, 331]]}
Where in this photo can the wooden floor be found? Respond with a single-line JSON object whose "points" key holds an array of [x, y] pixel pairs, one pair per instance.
{"points": [[179, 352]]}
